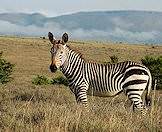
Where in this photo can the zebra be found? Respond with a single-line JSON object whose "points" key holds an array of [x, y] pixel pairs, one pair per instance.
{"points": [[100, 79]]}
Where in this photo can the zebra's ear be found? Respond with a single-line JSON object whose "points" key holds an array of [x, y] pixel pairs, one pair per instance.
{"points": [[51, 38], [65, 37]]}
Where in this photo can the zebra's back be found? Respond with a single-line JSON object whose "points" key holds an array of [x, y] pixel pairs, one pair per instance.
{"points": [[107, 79]]}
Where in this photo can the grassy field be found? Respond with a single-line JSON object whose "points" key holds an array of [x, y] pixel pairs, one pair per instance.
{"points": [[52, 108]]}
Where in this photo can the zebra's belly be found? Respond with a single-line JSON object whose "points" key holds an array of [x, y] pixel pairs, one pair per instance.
{"points": [[94, 92]]}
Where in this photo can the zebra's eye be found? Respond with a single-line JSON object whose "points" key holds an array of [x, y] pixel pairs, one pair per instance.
{"points": [[53, 50], [61, 52]]}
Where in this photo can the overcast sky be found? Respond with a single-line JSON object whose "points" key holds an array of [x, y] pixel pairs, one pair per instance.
{"points": [[59, 7]]}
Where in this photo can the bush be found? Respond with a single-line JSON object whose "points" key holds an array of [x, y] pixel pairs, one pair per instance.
{"points": [[60, 80], [155, 66], [114, 59], [6, 69], [41, 80]]}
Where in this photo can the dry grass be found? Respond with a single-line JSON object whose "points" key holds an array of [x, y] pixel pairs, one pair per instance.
{"points": [[26, 107]]}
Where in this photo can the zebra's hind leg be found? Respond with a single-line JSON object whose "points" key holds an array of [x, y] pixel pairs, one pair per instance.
{"points": [[137, 103], [134, 87]]}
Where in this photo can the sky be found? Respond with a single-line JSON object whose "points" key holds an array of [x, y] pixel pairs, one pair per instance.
{"points": [[60, 7]]}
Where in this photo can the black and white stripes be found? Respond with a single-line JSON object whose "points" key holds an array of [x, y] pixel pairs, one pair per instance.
{"points": [[106, 79], [100, 79]]}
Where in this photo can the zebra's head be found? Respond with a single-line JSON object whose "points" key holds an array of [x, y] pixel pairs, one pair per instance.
{"points": [[58, 51]]}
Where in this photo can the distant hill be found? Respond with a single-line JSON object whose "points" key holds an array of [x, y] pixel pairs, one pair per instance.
{"points": [[127, 26]]}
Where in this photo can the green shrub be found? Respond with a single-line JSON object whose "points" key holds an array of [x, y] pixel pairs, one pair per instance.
{"points": [[114, 59], [155, 66], [6, 69], [41, 80], [60, 80], [106, 62]]}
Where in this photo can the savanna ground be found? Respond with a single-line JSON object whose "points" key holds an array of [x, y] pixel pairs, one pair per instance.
{"points": [[27, 107]]}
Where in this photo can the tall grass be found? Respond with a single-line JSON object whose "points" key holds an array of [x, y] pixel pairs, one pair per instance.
{"points": [[54, 109]]}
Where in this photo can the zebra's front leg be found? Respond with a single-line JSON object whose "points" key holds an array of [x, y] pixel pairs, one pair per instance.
{"points": [[81, 95]]}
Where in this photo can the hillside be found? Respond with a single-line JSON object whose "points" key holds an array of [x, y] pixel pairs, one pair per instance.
{"points": [[126, 26], [32, 56], [27, 107]]}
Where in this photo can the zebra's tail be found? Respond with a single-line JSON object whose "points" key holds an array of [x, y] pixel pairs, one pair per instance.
{"points": [[148, 90]]}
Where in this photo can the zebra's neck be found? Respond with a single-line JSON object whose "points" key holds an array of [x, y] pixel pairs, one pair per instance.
{"points": [[73, 66]]}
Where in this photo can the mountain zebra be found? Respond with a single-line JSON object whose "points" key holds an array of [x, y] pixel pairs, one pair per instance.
{"points": [[100, 79]]}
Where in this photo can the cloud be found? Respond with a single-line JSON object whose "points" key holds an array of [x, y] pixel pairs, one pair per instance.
{"points": [[120, 22], [31, 30], [134, 36], [116, 34]]}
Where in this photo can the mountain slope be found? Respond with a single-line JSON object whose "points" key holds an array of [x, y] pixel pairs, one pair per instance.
{"points": [[129, 26]]}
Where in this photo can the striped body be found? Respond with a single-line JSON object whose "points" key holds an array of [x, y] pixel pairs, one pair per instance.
{"points": [[106, 79], [99, 79]]}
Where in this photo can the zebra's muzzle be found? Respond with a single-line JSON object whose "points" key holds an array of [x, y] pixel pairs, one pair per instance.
{"points": [[53, 68]]}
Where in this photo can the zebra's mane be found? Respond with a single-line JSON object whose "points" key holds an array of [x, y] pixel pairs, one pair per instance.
{"points": [[72, 48], [81, 55], [76, 51]]}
